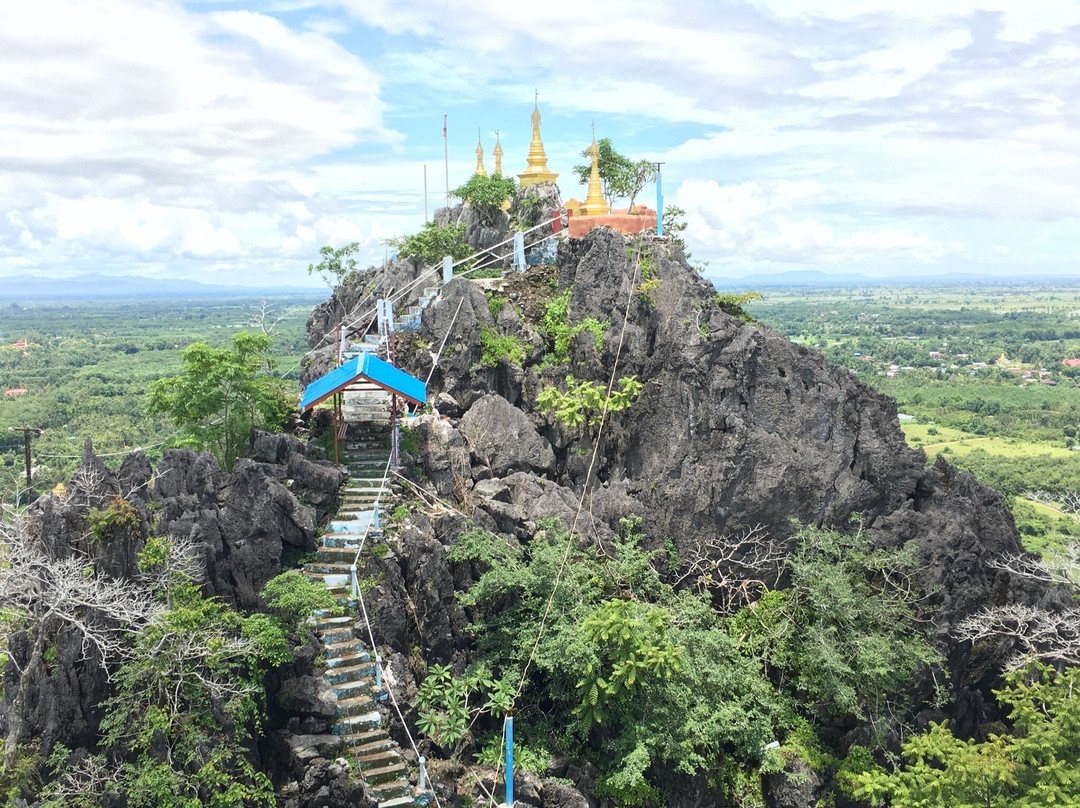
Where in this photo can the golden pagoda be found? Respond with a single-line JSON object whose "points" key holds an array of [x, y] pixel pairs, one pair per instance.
{"points": [[498, 152], [595, 204], [537, 170], [480, 171]]}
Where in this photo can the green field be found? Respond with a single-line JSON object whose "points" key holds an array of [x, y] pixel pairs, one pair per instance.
{"points": [[944, 440], [85, 366]]}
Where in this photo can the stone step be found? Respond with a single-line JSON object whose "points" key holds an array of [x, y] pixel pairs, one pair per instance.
{"points": [[336, 555], [383, 774], [327, 623], [347, 660], [366, 746], [352, 724], [333, 575], [342, 540], [353, 704], [335, 579], [377, 759], [336, 650], [374, 738], [398, 802], [338, 635], [363, 670], [393, 790], [354, 688]]}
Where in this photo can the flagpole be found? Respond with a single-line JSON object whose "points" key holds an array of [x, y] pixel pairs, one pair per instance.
{"points": [[446, 159], [425, 194]]}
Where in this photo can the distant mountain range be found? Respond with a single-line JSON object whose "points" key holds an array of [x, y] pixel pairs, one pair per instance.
{"points": [[96, 286], [815, 277]]}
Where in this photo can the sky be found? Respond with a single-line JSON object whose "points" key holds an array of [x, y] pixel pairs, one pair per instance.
{"points": [[226, 142]]}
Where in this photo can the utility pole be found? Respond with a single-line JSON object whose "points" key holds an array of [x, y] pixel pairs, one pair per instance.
{"points": [[27, 432], [659, 201]]}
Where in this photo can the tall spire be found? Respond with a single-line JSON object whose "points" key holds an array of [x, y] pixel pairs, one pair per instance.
{"points": [[595, 204], [480, 171], [498, 154], [537, 169]]}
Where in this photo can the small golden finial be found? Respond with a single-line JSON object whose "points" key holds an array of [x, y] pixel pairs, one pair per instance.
{"points": [[480, 171]]}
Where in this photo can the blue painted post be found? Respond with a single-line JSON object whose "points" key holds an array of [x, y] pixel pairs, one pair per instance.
{"points": [[378, 672], [659, 205], [447, 269], [354, 583], [423, 774], [375, 517], [509, 761], [519, 252]]}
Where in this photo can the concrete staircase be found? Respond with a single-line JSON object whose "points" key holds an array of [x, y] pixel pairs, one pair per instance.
{"points": [[350, 669], [409, 320]]}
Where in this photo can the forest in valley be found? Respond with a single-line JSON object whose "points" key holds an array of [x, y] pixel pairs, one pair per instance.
{"points": [[86, 366]]}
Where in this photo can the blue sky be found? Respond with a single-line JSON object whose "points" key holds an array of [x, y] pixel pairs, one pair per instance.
{"points": [[227, 142]]}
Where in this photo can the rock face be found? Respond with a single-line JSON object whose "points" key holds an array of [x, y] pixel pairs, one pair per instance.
{"points": [[240, 524], [736, 427]]}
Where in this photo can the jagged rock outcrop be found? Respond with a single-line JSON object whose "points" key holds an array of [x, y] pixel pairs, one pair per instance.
{"points": [[736, 428], [239, 524]]}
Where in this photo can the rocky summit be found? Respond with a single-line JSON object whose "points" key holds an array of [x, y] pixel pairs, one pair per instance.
{"points": [[697, 563]]}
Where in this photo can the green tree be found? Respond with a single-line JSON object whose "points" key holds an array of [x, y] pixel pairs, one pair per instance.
{"points": [[486, 194], [337, 266], [619, 175], [1031, 767], [845, 635], [433, 243], [221, 395]]}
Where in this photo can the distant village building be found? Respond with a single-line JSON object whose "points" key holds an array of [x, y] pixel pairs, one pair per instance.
{"points": [[15, 391]]}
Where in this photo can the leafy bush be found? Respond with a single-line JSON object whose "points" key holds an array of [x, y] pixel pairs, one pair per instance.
{"points": [[433, 243], [1031, 767], [732, 304], [585, 401], [557, 328], [106, 525], [495, 346], [486, 194], [845, 633]]}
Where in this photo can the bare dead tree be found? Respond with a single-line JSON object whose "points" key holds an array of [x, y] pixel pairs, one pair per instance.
{"points": [[91, 777], [1060, 567], [733, 569], [1038, 633], [1068, 503], [42, 595], [267, 318]]}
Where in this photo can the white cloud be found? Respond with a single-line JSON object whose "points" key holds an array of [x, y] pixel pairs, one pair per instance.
{"points": [[773, 221], [137, 128]]}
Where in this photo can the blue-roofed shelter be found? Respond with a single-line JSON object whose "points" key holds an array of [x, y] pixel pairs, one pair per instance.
{"points": [[365, 367]]}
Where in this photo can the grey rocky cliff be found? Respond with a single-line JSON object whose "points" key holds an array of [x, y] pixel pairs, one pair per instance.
{"points": [[241, 526], [736, 428]]}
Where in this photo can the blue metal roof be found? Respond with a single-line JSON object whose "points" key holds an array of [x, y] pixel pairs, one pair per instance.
{"points": [[370, 367]]}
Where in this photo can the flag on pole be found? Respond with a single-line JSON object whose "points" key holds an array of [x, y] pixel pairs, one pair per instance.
{"points": [[444, 127]]}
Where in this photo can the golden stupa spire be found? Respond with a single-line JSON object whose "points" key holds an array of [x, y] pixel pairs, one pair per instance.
{"points": [[498, 154], [480, 171], [595, 204], [537, 170]]}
